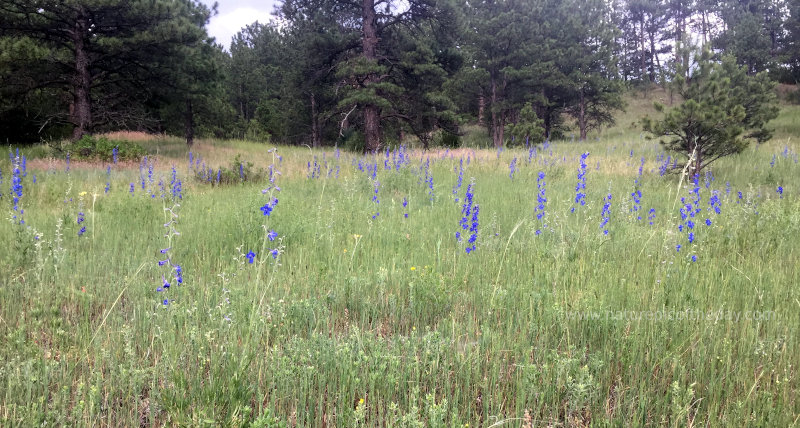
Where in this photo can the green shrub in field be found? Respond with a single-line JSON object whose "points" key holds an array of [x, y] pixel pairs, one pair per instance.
{"points": [[528, 128], [91, 148], [239, 172], [352, 140], [449, 140]]}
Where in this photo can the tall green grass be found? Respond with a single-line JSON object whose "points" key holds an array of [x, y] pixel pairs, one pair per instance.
{"points": [[388, 322]]}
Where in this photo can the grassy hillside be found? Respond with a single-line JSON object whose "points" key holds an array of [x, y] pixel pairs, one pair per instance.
{"points": [[364, 309]]}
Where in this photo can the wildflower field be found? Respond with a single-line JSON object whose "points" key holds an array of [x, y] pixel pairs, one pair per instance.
{"points": [[569, 284]]}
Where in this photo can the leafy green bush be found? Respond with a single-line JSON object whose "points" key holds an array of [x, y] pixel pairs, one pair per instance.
{"points": [[529, 128], [91, 148], [449, 140], [353, 141], [239, 172]]}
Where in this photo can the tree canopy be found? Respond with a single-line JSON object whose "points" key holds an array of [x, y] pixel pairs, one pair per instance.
{"points": [[84, 62], [364, 73]]}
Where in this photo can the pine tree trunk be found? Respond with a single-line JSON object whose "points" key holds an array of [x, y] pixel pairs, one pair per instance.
{"points": [[189, 123], [81, 108], [497, 119], [316, 139], [369, 42], [481, 109], [582, 115], [642, 59], [655, 65], [680, 28], [704, 16]]}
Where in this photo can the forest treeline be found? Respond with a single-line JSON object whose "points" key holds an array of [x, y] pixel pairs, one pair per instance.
{"points": [[365, 73]]}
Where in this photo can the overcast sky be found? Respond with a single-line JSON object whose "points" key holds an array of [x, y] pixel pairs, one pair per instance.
{"points": [[235, 14]]}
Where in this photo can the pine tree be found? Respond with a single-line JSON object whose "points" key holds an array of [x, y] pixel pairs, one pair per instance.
{"points": [[724, 109], [95, 54], [368, 74]]}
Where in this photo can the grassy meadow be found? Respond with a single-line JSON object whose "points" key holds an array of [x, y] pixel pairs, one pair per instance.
{"points": [[367, 311]]}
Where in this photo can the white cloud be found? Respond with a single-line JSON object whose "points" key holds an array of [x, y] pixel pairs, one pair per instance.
{"points": [[225, 25]]}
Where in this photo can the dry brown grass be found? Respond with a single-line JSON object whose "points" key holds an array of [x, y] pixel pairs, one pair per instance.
{"points": [[135, 136]]}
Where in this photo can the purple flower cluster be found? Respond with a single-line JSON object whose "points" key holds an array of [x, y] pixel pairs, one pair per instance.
{"points": [[541, 200], [637, 202], [605, 215], [270, 191], [175, 185], [460, 178], [267, 208], [313, 170], [16, 189], [376, 187], [469, 220], [689, 212], [108, 179], [176, 269], [81, 218], [580, 188]]}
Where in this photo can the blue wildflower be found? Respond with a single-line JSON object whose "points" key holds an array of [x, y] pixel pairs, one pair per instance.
{"points": [[605, 215], [178, 274], [541, 200], [251, 256], [469, 219], [580, 188], [637, 201], [269, 206], [80, 220]]}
